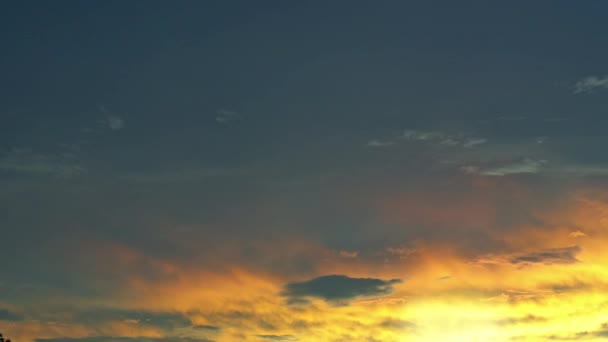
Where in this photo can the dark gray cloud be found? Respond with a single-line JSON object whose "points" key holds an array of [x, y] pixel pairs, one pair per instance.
{"points": [[566, 255], [7, 315], [340, 288]]}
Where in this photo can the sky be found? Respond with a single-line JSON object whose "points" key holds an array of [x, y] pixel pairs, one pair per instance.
{"points": [[331, 171]]}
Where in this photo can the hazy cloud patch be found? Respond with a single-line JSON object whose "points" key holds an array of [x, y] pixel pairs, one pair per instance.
{"points": [[396, 324], [380, 143], [165, 320], [589, 84], [442, 138], [526, 165], [521, 320], [224, 116], [25, 161], [577, 234], [348, 254], [401, 251], [472, 142], [7, 315], [111, 120], [277, 337]]}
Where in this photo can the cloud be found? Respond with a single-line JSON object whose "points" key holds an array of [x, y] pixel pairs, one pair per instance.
{"points": [[586, 335], [340, 287], [111, 121], [24, 161], [396, 324], [165, 320], [603, 331], [584, 170], [115, 123], [566, 255], [441, 138], [533, 166], [124, 339], [348, 254], [380, 143], [522, 320], [402, 252], [589, 84], [413, 135], [526, 165], [277, 337], [224, 116], [577, 234], [206, 327], [473, 142], [7, 315]]}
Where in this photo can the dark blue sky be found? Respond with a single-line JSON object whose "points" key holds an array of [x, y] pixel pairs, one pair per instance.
{"points": [[273, 136]]}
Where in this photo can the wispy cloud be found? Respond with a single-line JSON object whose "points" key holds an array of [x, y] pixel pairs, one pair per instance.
{"points": [[521, 320], [564, 255], [380, 143], [25, 161], [111, 120], [349, 254], [473, 142], [577, 234], [458, 139], [115, 122], [165, 320], [224, 116], [401, 252], [526, 165], [590, 83], [442, 138]]}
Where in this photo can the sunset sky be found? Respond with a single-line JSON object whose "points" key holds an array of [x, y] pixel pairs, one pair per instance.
{"points": [[331, 171]]}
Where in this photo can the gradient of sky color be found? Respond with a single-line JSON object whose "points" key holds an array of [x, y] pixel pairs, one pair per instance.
{"points": [[303, 171]]}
